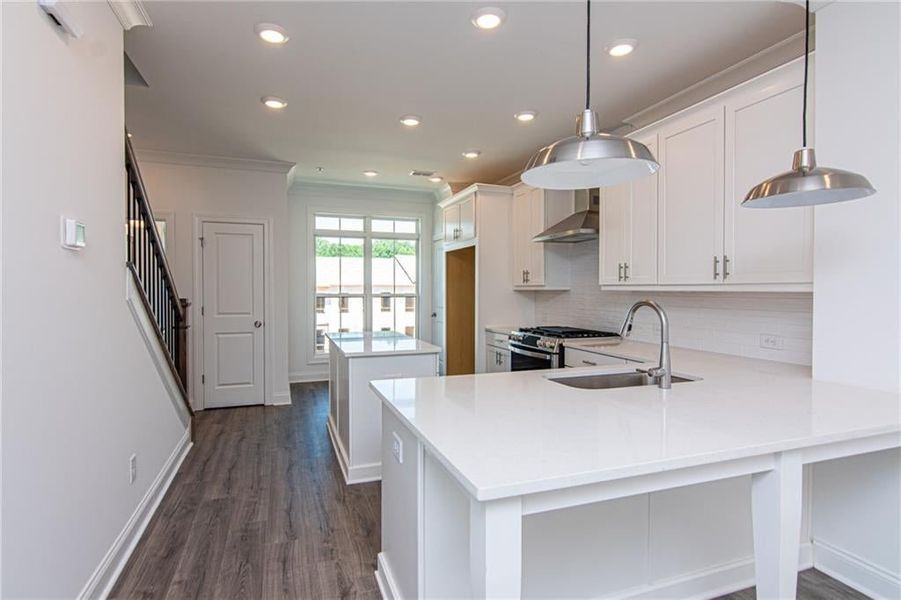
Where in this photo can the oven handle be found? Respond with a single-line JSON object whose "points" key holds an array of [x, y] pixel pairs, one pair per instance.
{"points": [[543, 355]]}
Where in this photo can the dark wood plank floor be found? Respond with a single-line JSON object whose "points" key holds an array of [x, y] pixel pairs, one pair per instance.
{"points": [[259, 510]]}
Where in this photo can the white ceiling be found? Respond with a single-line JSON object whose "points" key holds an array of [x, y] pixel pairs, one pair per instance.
{"points": [[352, 69]]}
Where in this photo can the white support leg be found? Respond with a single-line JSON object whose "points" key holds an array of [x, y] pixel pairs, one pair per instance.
{"points": [[495, 548], [776, 507]]}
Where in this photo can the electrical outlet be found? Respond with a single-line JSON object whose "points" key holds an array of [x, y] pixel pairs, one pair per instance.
{"points": [[771, 341], [397, 448], [132, 468]]}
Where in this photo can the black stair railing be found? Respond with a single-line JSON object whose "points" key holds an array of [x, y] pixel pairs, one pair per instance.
{"points": [[152, 275]]}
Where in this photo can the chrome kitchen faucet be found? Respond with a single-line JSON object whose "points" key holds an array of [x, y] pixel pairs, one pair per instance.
{"points": [[664, 371]]}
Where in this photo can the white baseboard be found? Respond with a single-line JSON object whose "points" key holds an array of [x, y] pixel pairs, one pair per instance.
{"points": [[709, 583], [385, 579], [107, 572], [307, 377], [352, 474], [281, 399], [855, 572]]}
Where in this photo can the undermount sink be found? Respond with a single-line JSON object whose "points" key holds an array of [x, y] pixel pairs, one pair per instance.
{"points": [[604, 381]]}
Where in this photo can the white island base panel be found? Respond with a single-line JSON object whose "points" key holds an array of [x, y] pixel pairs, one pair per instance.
{"points": [[695, 532]]}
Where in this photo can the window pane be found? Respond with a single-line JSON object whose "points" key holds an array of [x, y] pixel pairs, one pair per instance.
{"points": [[339, 265], [327, 222], [337, 314], [405, 226], [351, 224], [394, 313], [383, 266], [383, 225]]}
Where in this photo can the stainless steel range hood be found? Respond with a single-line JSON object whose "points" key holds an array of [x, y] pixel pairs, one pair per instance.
{"points": [[580, 226]]}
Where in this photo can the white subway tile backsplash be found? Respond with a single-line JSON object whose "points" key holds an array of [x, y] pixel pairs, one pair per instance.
{"points": [[726, 322]]}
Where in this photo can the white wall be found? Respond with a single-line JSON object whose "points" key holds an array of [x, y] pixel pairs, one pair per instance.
{"points": [[305, 199], [189, 187], [80, 392], [725, 322], [857, 502]]}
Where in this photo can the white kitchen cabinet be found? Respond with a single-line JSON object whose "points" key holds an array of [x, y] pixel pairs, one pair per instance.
{"points": [[538, 265], [628, 229], [762, 132], [497, 360], [460, 220], [690, 201], [577, 357]]}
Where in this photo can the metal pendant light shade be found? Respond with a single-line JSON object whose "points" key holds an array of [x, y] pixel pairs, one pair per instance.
{"points": [[807, 184], [589, 159]]}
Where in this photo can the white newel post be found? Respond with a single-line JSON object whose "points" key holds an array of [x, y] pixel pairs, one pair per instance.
{"points": [[776, 509], [495, 548]]}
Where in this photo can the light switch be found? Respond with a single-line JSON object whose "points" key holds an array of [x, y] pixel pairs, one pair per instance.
{"points": [[72, 234], [397, 448]]}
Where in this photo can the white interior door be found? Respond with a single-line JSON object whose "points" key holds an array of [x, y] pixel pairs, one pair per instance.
{"points": [[233, 314]]}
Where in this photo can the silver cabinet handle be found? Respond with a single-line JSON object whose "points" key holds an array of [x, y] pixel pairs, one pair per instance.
{"points": [[619, 272], [625, 271], [716, 268], [725, 266], [528, 276], [257, 324], [589, 363]]}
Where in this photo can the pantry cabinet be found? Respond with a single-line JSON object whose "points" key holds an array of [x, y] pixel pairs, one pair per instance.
{"points": [[628, 229], [538, 265], [685, 227]]}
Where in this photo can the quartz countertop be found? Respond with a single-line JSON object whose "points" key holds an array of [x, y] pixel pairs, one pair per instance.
{"points": [[502, 329], [509, 434], [379, 343]]}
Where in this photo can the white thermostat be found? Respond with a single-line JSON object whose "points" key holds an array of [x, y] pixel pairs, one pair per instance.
{"points": [[72, 234]]}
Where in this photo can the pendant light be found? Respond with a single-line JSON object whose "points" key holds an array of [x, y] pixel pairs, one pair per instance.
{"points": [[591, 158], [807, 184]]}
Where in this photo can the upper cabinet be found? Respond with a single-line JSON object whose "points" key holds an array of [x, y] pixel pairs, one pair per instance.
{"points": [[538, 265], [460, 220], [762, 132], [628, 236], [685, 225]]}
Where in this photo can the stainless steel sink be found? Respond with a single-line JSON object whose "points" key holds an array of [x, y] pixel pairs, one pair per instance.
{"points": [[605, 381]]}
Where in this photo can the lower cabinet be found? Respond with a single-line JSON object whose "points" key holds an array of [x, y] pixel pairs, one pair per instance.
{"points": [[576, 357], [497, 360]]}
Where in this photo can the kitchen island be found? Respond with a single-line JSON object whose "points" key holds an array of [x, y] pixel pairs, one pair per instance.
{"points": [[513, 484], [355, 416]]}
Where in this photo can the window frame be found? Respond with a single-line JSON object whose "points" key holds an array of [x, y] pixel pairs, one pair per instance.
{"points": [[367, 235]]}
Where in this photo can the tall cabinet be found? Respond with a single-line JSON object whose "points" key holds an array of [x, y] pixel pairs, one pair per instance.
{"points": [[685, 226]]}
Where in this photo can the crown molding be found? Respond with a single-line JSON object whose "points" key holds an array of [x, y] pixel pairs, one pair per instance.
{"points": [[215, 162], [131, 13], [321, 182]]}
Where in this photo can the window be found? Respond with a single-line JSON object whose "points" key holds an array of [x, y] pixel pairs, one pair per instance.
{"points": [[366, 275]]}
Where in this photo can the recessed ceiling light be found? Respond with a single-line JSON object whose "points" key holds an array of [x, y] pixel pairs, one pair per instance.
{"points": [[272, 33], [526, 115], [621, 47], [273, 102], [489, 17], [410, 120], [370, 173], [472, 153], [436, 179]]}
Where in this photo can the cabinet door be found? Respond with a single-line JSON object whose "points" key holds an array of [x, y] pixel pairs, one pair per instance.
{"points": [[521, 226], [614, 230], [762, 245], [641, 241], [691, 198], [451, 223], [503, 364], [535, 267], [468, 219]]}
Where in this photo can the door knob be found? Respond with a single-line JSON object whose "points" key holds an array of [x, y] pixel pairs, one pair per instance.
{"points": [[257, 324]]}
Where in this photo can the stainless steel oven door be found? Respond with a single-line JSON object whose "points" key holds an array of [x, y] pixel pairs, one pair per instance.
{"points": [[523, 358]]}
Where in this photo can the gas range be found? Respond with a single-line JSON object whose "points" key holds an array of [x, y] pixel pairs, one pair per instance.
{"points": [[543, 347]]}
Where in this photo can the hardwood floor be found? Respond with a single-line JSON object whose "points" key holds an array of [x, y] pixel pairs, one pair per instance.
{"points": [[259, 510]]}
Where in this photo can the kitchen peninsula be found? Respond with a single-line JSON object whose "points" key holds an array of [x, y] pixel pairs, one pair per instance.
{"points": [[524, 486], [354, 420]]}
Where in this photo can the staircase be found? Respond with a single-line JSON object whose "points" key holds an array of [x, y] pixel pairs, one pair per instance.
{"points": [[147, 264]]}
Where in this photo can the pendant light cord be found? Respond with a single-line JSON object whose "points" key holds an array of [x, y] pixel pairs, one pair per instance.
{"points": [[806, 64], [588, 55]]}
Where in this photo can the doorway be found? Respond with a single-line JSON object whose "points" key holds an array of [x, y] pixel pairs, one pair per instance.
{"points": [[460, 337]]}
